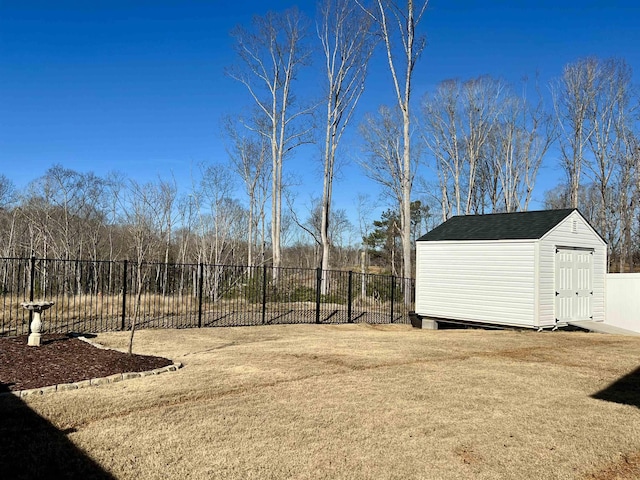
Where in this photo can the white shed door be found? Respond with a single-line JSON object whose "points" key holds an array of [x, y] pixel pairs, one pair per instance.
{"points": [[574, 284]]}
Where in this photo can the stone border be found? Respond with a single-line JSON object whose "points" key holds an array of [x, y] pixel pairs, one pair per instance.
{"points": [[117, 377]]}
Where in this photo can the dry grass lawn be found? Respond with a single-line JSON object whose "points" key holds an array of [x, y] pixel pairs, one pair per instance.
{"points": [[363, 402]]}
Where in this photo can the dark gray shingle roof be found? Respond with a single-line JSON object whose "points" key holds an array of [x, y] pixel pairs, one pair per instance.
{"points": [[498, 226]]}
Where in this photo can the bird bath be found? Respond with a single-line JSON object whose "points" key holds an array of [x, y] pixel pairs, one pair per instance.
{"points": [[36, 324]]}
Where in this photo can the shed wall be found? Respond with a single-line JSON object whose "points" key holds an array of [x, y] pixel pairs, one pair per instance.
{"points": [[564, 235], [479, 281]]}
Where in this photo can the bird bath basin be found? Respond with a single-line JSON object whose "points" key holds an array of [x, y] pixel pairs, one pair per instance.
{"points": [[36, 323]]}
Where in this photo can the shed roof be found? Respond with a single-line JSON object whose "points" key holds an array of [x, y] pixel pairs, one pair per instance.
{"points": [[498, 226]]}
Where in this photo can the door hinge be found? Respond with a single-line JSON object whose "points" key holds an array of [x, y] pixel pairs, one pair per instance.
{"points": [[557, 293]]}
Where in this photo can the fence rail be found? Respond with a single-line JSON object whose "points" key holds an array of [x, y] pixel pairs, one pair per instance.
{"points": [[99, 296]]}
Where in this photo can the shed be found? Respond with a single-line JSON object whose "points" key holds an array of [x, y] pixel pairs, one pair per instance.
{"points": [[537, 269]]}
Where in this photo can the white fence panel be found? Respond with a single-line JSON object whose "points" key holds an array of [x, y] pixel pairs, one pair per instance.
{"points": [[623, 301]]}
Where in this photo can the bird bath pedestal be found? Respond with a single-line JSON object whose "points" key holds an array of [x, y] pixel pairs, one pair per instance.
{"points": [[36, 324]]}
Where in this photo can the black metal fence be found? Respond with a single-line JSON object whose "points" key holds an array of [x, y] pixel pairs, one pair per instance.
{"points": [[98, 296]]}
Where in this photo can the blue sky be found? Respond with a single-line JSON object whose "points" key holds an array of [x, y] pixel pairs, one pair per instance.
{"points": [[139, 86]]}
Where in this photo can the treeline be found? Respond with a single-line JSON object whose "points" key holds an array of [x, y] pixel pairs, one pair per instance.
{"points": [[66, 214], [487, 145], [469, 146], [596, 110]]}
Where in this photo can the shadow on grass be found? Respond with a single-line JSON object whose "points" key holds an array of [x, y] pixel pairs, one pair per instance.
{"points": [[626, 390], [32, 448]]}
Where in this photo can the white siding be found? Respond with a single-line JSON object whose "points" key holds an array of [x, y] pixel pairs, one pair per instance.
{"points": [[564, 235], [623, 300], [480, 281]]}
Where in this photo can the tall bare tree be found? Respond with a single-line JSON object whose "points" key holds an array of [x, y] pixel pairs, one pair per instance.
{"points": [[344, 30], [488, 144], [218, 217], [397, 20], [573, 93], [7, 191], [382, 135], [627, 193], [248, 156], [142, 218], [166, 206], [221, 221], [608, 117], [518, 142], [596, 109], [442, 132], [139, 207], [271, 53], [459, 120], [9, 212]]}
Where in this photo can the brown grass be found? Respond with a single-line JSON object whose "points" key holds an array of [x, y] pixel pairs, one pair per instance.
{"points": [[361, 402]]}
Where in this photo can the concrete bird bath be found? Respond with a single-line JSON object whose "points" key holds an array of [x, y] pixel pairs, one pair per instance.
{"points": [[36, 324]]}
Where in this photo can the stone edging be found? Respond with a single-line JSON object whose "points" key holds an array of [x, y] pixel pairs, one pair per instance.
{"points": [[117, 377]]}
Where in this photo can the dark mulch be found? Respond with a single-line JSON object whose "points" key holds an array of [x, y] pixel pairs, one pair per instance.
{"points": [[63, 359]]}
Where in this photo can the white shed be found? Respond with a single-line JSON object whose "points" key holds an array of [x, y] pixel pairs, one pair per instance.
{"points": [[538, 269]]}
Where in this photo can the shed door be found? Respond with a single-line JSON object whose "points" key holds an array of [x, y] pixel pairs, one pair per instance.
{"points": [[574, 284]]}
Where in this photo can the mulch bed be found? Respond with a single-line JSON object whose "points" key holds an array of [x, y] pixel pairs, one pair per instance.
{"points": [[63, 359]]}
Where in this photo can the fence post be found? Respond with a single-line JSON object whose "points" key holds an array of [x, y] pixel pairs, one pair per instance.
{"points": [[264, 294], [318, 287], [124, 294], [393, 294], [32, 278], [349, 297], [32, 281], [200, 293]]}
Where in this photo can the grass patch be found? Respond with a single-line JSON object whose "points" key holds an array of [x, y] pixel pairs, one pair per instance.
{"points": [[360, 402]]}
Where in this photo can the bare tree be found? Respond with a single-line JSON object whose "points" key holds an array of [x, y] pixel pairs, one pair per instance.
{"points": [[221, 221], [442, 132], [573, 93], [347, 45], [488, 144], [595, 107], [396, 20], [627, 193], [384, 163], [609, 121], [219, 214], [7, 191], [459, 120], [272, 53], [313, 224], [482, 106], [185, 236], [166, 205], [9, 212], [140, 214], [365, 207], [248, 158], [518, 142]]}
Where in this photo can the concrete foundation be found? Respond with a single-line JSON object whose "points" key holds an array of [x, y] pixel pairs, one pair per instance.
{"points": [[422, 322], [428, 324]]}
